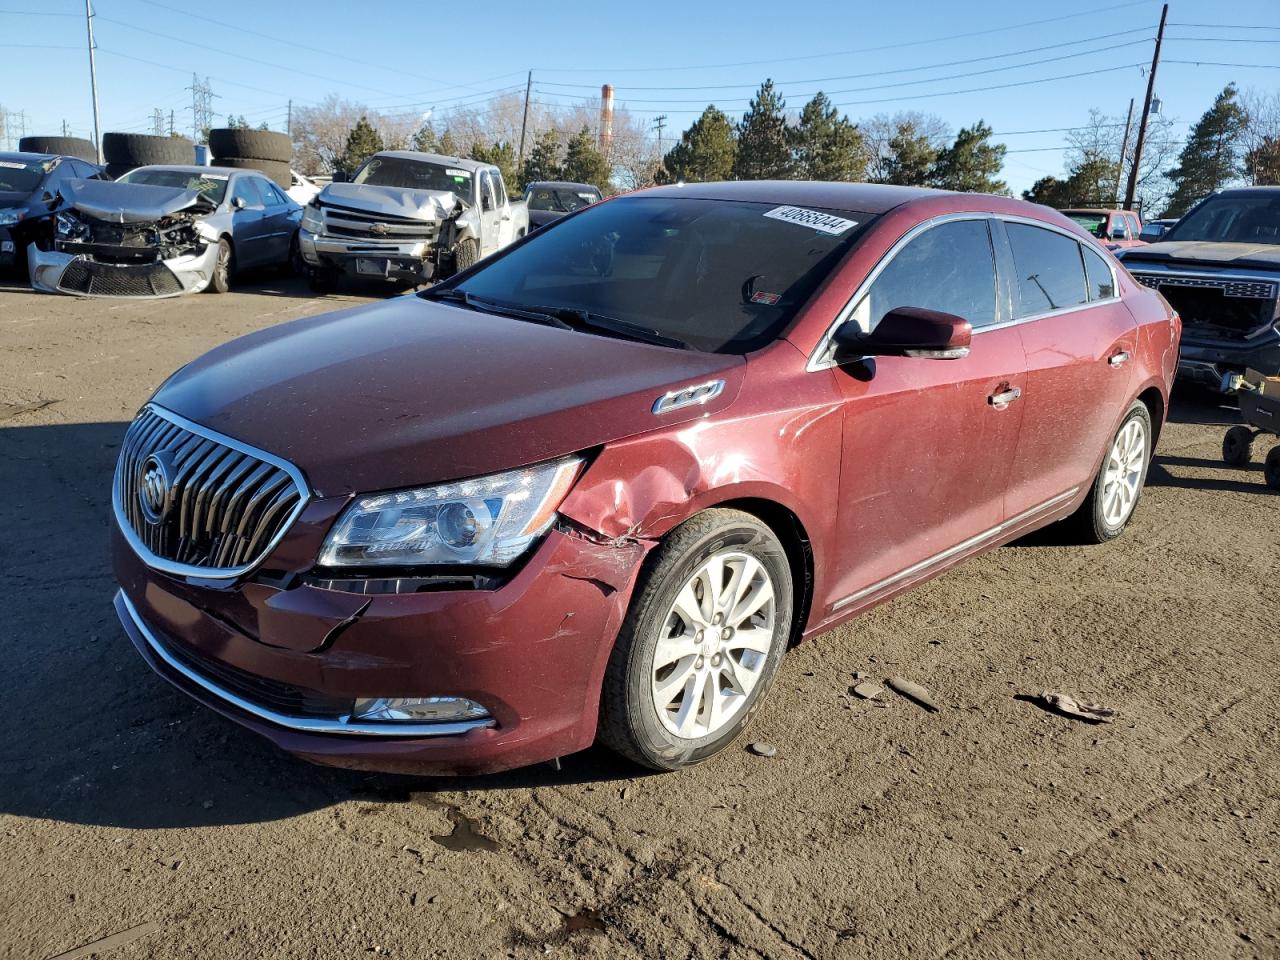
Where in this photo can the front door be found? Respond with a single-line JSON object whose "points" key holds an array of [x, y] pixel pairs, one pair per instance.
{"points": [[1079, 339], [249, 227], [490, 215], [926, 442]]}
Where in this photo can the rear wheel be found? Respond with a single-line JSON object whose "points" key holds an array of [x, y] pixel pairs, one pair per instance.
{"points": [[1118, 485], [701, 644], [221, 282], [321, 280], [1237, 446]]}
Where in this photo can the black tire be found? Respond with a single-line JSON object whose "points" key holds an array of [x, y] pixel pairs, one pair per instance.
{"points": [[278, 173], [225, 268], [465, 255], [228, 143], [1237, 446], [295, 265], [1089, 524], [629, 719], [117, 170], [322, 280], [141, 149], [77, 147], [1271, 469]]}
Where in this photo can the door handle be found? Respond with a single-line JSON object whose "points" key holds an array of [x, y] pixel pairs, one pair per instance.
{"points": [[1118, 359], [1005, 397]]}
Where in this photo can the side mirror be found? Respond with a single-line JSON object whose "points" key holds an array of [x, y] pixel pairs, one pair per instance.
{"points": [[907, 332], [341, 176], [237, 203]]}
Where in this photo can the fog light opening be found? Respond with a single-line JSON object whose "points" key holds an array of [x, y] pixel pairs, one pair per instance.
{"points": [[418, 709]]}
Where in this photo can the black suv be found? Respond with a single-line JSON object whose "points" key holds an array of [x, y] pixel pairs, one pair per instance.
{"points": [[28, 193]]}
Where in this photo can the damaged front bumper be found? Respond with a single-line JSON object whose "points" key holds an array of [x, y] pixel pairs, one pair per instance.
{"points": [[407, 260], [288, 663], [54, 271]]}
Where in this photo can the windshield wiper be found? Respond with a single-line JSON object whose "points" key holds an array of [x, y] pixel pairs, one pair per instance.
{"points": [[485, 305], [580, 319]]}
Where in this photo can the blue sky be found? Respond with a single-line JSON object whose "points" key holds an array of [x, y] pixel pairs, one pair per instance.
{"points": [[396, 55]]}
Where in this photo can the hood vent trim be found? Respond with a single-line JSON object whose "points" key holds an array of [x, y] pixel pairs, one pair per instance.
{"points": [[702, 393]]}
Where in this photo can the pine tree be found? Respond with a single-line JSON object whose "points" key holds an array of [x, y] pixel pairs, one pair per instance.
{"points": [[764, 151], [362, 142], [448, 145], [583, 163], [543, 161], [911, 157], [1209, 160], [1262, 163], [705, 153], [971, 164], [1049, 191], [827, 146], [501, 155], [424, 141]]}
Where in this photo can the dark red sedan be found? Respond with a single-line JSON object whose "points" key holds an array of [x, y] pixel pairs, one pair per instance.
{"points": [[592, 488]]}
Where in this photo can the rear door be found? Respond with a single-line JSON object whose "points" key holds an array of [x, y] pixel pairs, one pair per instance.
{"points": [[927, 443], [249, 226], [1079, 339]]}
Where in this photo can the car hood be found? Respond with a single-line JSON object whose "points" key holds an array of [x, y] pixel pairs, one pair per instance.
{"points": [[129, 202], [411, 392], [1225, 254], [391, 201]]}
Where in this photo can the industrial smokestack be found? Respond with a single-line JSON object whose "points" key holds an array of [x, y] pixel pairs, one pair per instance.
{"points": [[606, 118]]}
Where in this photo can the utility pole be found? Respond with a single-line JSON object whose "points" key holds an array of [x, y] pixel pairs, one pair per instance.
{"points": [[201, 106], [66, 130], [288, 124], [93, 79], [157, 122], [1146, 113], [1124, 149], [659, 123], [524, 122], [171, 123]]}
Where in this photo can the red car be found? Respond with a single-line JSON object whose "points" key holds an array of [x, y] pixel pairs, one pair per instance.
{"points": [[1117, 229], [594, 487]]}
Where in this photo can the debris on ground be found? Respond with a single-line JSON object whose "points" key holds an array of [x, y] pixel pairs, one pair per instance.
{"points": [[1069, 706], [912, 691], [867, 690], [762, 749]]}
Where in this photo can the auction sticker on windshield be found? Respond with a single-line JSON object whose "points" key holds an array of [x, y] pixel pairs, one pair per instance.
{"points": [[816, 220]]}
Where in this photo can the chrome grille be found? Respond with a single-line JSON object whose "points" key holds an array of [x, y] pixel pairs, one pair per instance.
{"points": [[223, 505], [1252, 289], [340, 222]]}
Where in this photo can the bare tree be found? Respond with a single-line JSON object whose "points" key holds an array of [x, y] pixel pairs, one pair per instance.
{"points": [[880, 130], [1261, 141], [320, 132]]}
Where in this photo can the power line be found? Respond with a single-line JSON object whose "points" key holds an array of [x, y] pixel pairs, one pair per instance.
{"points": [[1227, 26], [844, 53], [1215, 63]]}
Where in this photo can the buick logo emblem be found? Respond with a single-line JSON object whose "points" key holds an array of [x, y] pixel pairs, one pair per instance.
{"points": [[380, 229], [154, 488]]}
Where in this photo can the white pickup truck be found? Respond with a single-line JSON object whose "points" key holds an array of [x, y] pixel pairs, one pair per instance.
{"points": [[409, 218]]}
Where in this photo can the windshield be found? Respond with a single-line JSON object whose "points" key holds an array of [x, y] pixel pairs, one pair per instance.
{"points": [[560, 200], [20, 177], [414, 175], [1232, 219], [211, 185], [720, 275], [1095, 223]]}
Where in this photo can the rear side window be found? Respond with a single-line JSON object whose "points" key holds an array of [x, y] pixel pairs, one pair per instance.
{"points": [[1049, 273], [1102, 283], [949, 268]]}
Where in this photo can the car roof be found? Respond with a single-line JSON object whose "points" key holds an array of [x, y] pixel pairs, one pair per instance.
{"points": [[1246, 191], [872, 198], [471, 166], [560, 184], [17, 156], [197, 168], [1102, 210]]}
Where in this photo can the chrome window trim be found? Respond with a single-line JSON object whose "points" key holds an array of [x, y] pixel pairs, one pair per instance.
{"points": [[928, 563], [341, 725], [190, 570], [819, 359]]}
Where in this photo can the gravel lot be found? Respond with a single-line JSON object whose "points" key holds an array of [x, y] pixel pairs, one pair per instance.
{"points": [[988, 829]]}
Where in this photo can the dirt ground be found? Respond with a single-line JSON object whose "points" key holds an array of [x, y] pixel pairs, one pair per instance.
{"points": [[988, 829]]}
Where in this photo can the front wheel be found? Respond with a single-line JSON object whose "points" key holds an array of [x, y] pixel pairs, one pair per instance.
{"points": [[465, 255], [221, 282], [708, 626], [1237, 446], [1118, 485]]}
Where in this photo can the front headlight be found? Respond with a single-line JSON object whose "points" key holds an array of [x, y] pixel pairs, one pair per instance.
{"points": [[488, 521], [67, 226], [312, 219], [9, 217]]}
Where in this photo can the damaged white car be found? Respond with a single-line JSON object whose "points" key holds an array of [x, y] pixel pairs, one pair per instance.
{"points": [[163, 231]]}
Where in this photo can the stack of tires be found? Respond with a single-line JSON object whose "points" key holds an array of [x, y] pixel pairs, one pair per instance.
{"points": [[125, 151], [266, 151], [76, 147]]}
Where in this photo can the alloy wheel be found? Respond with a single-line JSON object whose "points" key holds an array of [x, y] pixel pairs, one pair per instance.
{"points": [[714, 645], [1122, 475]]}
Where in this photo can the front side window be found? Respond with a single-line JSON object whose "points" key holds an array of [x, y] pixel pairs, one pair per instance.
{"points": [[1049, 272], [1232, 219], [949, 268], [1095, 223], [414, 175], [487, 201], [719, 275], [1119, 227], [212, 186], [1102, 283], [246, 189]]}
